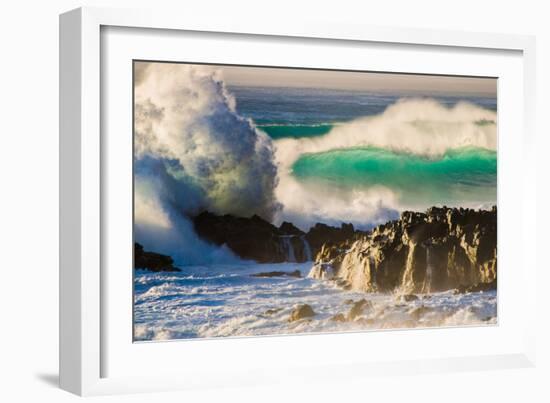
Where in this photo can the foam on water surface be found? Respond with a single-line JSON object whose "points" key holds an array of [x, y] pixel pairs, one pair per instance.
{"points": [[223, 300]]}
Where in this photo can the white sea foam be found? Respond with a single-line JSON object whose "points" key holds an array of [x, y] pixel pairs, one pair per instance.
{"points": [[194, 152], [235, 304], [418, 126]]}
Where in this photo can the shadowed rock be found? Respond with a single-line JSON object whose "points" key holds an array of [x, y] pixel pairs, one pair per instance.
{"points": [[295, 273], [152, 261], [254, 238]]}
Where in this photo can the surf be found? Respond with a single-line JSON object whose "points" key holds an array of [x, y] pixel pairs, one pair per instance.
{"points": [[466, 174], [417, 153]]}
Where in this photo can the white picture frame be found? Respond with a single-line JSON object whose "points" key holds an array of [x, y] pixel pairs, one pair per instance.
{"points": [[96, 352]]}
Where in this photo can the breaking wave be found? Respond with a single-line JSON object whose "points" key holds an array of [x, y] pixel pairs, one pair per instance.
{"points": [[193, 152], [415, 154]]}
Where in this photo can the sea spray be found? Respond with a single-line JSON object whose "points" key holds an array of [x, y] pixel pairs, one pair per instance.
{"points": [[415, 154], [193, 152]]}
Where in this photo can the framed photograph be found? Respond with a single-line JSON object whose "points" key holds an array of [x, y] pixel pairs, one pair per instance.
{"points": [[246, 204]]}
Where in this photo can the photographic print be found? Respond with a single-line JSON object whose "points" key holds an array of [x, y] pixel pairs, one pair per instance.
{"points": [[276, 201]]}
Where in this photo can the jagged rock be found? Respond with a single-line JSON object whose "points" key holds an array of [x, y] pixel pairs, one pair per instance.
{"points": [[295, 273], [250, 238], [290, 229], [256, 239], [321, 234], [418, 253], [322, 271], [152, 261], [339, 317], [358, 308], [301, 312]]}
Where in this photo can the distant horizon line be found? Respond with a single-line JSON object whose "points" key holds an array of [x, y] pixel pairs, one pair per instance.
{"points": [[420, 93]]}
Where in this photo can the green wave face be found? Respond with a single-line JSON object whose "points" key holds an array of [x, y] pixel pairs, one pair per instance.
{"points": [[466, 175], [295, 131]]}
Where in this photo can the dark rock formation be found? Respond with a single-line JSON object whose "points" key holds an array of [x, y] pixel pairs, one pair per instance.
{"points": [[322, 234], [152, 261], [301, 312], [254, 238], [479, 287], [288, 228], [441, 249], [295, 273]]}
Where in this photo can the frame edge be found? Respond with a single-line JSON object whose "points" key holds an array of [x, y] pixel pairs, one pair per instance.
{"points": [[70, 119]]}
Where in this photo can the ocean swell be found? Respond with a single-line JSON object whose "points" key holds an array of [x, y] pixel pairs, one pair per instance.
{"points": [[415, 154], [464, 175], [414, 126]]}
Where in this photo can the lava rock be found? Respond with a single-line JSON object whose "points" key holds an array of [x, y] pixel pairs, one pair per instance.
{"points": [[295, 273], [152, 261]]}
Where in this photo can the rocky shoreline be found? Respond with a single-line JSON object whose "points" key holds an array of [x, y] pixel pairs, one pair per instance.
{"points": [[441, 249], [257, 239], [152, 261]]}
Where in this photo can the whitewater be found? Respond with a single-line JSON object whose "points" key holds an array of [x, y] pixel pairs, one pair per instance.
{"points": [[299, 155], [226, 301]]}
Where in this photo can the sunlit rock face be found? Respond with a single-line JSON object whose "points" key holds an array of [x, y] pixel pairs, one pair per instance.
{"points": [[442, 249]]}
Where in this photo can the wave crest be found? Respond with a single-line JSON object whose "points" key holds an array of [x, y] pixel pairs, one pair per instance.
{"points": [[412, 125], [193, 152]]}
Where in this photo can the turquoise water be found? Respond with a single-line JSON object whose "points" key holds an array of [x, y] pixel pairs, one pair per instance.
{"points": [[278, 131], [460, 175]]}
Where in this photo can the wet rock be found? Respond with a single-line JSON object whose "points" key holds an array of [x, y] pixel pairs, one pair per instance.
{"points": [[358, 308], [321, 271], [408, 297], [251, 238], [288, 228], [300, 312], [339, 317], [479, 287], [295, 273], [152, 261], [272, 311], [254, 238], [322, 234], [438, 250]]}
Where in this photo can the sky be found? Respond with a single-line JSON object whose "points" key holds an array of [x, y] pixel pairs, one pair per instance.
{"points": [[359, 81]]}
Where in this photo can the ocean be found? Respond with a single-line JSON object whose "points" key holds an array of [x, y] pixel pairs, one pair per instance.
{"points": [[342, 156], [226, 301], [459, 175]]}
